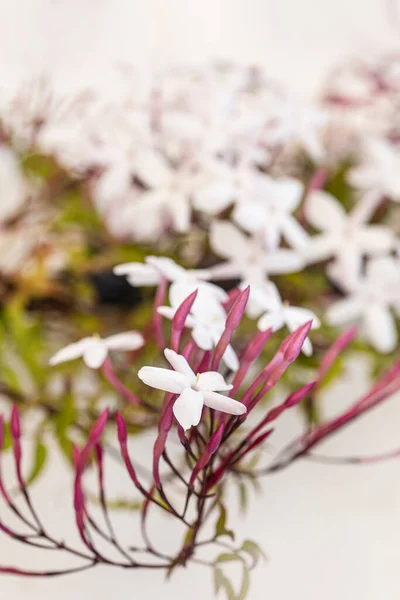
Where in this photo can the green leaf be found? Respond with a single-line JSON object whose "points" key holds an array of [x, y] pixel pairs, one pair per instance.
{"points": [[244, 588], [221, 582], [242, 496], [254, 550], [38, 463], [228, 557], [220, 528]]}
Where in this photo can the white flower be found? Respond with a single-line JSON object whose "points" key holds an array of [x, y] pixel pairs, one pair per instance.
{"points": [[94, 350], [247, 257], [207, 321], [277, 314], [380, 169], [346, 237], [195, 391], [370, 303], [184, 281], [271, 212]]}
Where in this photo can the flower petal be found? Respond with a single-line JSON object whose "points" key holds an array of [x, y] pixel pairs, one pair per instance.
{"points": [[227, 241], [272, 320], [212, 381], [344, 311], [180, 212], [214, 197], [296, 316], [283, 261], [188, 408], [375, 239], [202, 337], [320, 247], [293, 232], [95, 353], [323, 211], [138, 273], [166, 267], [223, 403], [230, 358], [179, 363], [163, 379], [130, 340], [71, 351], [251, 215], [380, 328]]}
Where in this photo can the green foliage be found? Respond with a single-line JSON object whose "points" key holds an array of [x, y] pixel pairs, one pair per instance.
{"points": [[39, 461], [220, 528]]}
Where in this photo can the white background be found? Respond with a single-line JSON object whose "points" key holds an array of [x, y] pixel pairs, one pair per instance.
{"points": [[330, 532]]}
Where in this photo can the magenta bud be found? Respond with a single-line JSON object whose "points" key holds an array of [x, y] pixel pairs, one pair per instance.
{"points": [[121, 429], [15, 426], [179, 319], [256, 344], [210, 449], [1, 432], [237, 311], [293, 348], [97, 430]]}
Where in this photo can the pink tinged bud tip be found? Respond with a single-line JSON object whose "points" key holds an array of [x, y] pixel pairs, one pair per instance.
{"points": [[334, 351], [237, 311], [121, 429], [98, 428], [293, 344], [179, 320], [15, 426], [1, 432]]}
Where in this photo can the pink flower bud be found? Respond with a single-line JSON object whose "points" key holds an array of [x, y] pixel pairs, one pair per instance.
{"points": [[293, 344], [15, 426], [121, 429], [98, 428], [335, 350], [179, 320], [211, 447], [237, 311]]}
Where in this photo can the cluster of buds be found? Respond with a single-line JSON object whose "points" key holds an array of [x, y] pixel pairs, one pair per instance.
{"points": [[215, 442]]}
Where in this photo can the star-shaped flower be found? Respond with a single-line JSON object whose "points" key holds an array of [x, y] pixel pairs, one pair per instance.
{"points": [[195, 391], [271, 213], [94, 350], [266, 301], [247, 257], [370, 303], [346, 237]]}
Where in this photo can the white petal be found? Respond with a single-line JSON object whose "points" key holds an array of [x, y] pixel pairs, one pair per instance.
{"points": [[71, 351], [307, 348], [344, 311], [227, 241], [202, 337], [95, 354], [293, 232], [283, 261], [252, 216], [138, 273], [163, 379], [152, 169], [230, 358], [323, 211], [375, 239], [188, 408], [212, 381], [166, 267], [130, 340], [214, 197], [287, 193], [223, 403], [380, 328], [296, 316], [320, 247], [273, 319], [180, 212], [179, 363], [168, 312]]}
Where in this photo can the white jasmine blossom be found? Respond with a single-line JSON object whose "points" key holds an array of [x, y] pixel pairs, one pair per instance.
{"points": [[346, 237], [271, 212], [195, 391], [266, 301], [247, 257], [94, 350], [379, 169], [370, 302]]}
